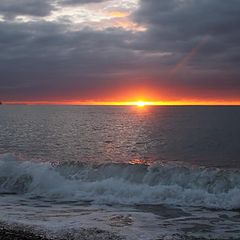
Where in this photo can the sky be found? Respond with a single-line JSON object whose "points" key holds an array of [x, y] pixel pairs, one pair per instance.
{"points": [[98, 51]]}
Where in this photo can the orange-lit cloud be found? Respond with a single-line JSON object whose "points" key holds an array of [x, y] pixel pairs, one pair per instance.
{"points": [[118, 14]]}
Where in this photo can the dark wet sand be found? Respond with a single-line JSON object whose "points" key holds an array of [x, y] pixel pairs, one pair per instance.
{"points": [[8, 232]]}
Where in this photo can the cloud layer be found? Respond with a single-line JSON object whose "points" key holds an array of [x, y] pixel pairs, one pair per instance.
{"points": [[168, 49], [12, 8]]}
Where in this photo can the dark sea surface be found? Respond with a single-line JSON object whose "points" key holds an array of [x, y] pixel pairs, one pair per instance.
{"points": [[142, 173]]}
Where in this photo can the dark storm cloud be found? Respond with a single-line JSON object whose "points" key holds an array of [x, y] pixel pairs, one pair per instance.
{"points": [[189, 47], [203, 39], [12, 8], [179, 26], [75, 2], [39, 57]]}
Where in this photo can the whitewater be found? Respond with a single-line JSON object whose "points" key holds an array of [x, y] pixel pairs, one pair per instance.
{"points": [[122, 183], [127, 199]]}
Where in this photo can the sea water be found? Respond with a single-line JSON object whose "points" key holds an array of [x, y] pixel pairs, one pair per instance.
{"points": [[142, 173]]}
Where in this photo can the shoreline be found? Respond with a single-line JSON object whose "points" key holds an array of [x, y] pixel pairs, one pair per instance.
{"points": [[22, 232], [14, 232]]}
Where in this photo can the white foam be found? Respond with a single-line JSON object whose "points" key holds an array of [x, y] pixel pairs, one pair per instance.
{"points": [[123, 183]]}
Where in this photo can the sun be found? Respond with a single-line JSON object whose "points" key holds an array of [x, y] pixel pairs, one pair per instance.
{"points": [[141, 104]]}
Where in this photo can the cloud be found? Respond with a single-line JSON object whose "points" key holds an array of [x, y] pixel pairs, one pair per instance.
{"points": [[38, 57], [76, 2], [12, 8], [180, 26], [190, 48]]}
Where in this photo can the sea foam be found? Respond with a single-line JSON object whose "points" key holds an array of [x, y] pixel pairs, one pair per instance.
{"points": [[122, 183]]}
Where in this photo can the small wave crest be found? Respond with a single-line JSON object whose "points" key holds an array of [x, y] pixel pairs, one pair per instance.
{"points": [[122, 183]]}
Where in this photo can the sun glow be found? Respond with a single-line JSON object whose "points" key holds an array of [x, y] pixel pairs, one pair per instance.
{"points": [[141, 104]]}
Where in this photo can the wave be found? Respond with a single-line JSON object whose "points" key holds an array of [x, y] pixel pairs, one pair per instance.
{"points": [[122, 183]]}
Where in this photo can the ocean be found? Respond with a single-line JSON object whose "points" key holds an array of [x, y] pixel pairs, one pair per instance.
{"points": [[139, 173]]}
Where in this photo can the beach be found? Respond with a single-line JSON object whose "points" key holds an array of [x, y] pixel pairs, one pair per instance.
{"points": [[8, 233]]}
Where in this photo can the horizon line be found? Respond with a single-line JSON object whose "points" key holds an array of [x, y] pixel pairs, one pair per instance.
{"points": [[126, 103]]}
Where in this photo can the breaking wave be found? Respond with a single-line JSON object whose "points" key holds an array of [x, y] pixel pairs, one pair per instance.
{"points": [[122, 183]]}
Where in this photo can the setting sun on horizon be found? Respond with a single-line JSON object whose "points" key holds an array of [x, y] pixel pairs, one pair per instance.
{"points": [[141, 104]]}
